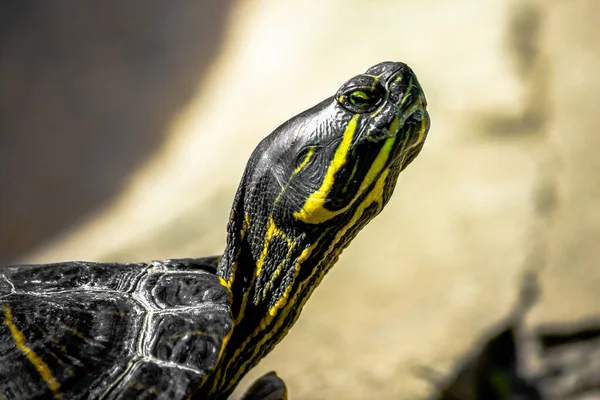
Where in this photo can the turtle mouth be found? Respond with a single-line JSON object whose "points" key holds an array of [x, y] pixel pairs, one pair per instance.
{"points": [[408, 95], [410, 123], [404, 106], [409, 117], [411, 137]]}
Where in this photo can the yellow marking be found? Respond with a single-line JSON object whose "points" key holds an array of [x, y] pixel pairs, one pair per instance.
{"points": [[408, 88], [395, 125], [345, 189], [419, 140], [360, 94], [225, 283], [309, 154], [375, 195], [375, 76], [314, 211], [242, 309], [319, 215], [299, 168], [283, 299], [141, 387], [296, 304], [387, 94], [42, 368], [274, 276], [224, 343], [278, 270], [221, 351], [290, 304], [39, 328], [245, 226], [286, 304], [375, 81], [271, 228], [74, 332], [379, 162], [272, 231], [63, 348], [421, 136], [403, 148], [233, 270], [380, 108], [268, 318]]}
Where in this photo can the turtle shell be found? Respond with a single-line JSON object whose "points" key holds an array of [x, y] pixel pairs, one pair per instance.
{"points": [[107, 330]]}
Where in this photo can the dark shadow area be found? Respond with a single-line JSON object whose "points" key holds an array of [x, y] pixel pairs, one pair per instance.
{"points": [[87, 90], [568, 370], [553, 362], [490, 374]]}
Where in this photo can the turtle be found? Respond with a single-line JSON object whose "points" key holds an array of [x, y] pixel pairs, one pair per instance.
{"points": [[192, 328]]}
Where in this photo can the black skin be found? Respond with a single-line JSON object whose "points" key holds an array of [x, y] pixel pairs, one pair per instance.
{"points": [[193, 327], [267, 387]]}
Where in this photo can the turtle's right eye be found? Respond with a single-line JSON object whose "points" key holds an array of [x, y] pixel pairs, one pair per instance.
{"points": [[361, 100]]}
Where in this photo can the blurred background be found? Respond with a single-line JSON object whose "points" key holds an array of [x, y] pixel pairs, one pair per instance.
{"points": [[125, 128]]}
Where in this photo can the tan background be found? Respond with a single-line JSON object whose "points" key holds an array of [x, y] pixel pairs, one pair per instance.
{"points": [[124, 130]]}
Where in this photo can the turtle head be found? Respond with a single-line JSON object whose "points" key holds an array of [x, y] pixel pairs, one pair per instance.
{"points": [[375, 125], [307, 190]]}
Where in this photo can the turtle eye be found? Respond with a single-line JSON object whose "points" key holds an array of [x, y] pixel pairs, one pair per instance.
{"points": [[361, 100]]}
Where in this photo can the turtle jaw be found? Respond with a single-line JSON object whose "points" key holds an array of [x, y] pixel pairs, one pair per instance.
{"points": [[408, 121], [405, 102]]}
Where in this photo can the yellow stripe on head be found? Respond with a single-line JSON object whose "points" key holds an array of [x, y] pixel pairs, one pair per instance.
{"points": [[305, 161], [314, 211], [408, 88]]}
